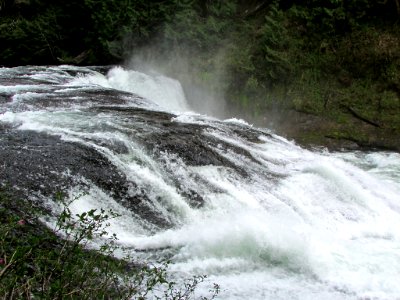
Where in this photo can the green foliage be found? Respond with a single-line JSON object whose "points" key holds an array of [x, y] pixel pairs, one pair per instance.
{"points": [[337, 17], [90, 31], [200, 27], [42, 32], [328, 17], [275, 46], [120, 26], [36, 262]]}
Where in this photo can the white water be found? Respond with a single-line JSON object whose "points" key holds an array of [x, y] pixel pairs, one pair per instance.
{"points": [[164, 91], [327, 226]]}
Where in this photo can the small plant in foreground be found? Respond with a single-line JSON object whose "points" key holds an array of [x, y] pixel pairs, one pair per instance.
{"points": [[36, 263]]}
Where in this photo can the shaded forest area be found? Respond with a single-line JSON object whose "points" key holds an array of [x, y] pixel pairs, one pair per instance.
{"points": [[323, 72]]}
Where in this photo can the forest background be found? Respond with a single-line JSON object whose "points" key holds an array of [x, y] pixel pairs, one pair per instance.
{"points": [[323, 72]]}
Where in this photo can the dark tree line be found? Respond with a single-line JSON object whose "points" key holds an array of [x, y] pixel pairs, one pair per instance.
{"points": [[92, 31]]}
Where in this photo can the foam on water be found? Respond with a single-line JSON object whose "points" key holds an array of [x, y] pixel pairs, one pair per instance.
{"points": [[164, 91], [95, 198], [237, 121], [295, 224], [10, 90]]}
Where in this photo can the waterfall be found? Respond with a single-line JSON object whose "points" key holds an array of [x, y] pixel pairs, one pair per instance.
{"points": [[261, 216]]}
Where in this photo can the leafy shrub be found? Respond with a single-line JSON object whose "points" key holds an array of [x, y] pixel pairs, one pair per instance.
{"points": [[36, 262]]}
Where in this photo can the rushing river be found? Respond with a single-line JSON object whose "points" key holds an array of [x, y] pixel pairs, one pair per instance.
{"points": [[261, 216]]}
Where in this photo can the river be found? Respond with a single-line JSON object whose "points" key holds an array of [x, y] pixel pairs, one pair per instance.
{"points": [[261, 216]]}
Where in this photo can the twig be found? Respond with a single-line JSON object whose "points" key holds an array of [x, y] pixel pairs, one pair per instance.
{"points": [[358, 116]]}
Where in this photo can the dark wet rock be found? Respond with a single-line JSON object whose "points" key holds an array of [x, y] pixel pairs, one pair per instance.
{"points": [[4, 98], [159, 134], [65, 97], [249, 134], [136, 113], [16, 81], [188, 143], [35, 163]]}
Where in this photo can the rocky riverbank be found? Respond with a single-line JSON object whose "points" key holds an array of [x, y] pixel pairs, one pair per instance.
{"points": [[318, 131]]}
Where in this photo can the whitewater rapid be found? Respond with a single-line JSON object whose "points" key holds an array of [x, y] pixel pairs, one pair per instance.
{"points": [[274, 220]]}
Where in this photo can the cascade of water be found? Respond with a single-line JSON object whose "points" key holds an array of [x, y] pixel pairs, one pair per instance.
{"points": [[261, 216], [164, 91]]}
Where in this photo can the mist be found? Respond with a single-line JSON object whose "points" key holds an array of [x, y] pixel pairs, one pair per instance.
{"points": [[202, 96], [212, 57]]}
